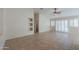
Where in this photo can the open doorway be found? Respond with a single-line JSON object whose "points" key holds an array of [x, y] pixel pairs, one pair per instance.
{"points": [[36, 22]]}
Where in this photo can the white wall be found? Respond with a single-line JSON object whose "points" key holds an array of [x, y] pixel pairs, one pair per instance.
{"points": [[17, 22], [70, 12], [44, 23], [1, 22], [2, 40]]}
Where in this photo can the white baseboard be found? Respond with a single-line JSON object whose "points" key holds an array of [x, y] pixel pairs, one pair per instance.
{"points": [[18, 36]]}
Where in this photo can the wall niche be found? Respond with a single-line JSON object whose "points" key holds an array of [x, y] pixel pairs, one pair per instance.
{"points": [[30, 24]]}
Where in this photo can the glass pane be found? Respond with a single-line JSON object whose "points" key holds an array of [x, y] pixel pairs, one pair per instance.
{"points": [[66, 23], [71, 23], [59, 26], [66, 29], [56, 25], [75, 23], [52, 23], [66, 26], [63, 26]]}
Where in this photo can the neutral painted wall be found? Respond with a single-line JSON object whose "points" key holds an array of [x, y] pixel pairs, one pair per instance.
{"points": [[2, 40], [70, 12], [17, 22], [44, 23], [1, 22]]}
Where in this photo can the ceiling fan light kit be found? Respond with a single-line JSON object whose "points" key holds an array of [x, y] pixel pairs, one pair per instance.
{"points": [[56, 11]]}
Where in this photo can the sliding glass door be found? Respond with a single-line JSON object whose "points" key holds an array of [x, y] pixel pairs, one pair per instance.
{"points": [[62, 25], [74, 23], [66, 25]]}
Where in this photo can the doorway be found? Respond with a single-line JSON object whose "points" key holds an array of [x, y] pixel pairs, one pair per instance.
{"points": [[36, 22]]}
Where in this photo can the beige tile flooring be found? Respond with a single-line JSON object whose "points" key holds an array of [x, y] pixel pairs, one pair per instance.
{"points": [[44, 41]]}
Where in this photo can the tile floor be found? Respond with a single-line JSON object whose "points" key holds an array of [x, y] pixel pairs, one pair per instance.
{"points": [[44, 41]]}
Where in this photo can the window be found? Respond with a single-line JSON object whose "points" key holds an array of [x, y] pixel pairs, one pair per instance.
{"points": [[71, 23], [62, 25], [65, 25], [52, 23], [75, 22]]}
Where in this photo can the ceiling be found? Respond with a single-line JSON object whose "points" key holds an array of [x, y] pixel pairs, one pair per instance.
{"points": [[64, 11]]}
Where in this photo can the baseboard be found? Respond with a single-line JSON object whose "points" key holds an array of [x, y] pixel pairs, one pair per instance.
{"points": [[24, 35], [20, 36]]}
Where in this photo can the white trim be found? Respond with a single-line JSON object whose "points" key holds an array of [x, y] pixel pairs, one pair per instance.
{"points": [[64, 17]]}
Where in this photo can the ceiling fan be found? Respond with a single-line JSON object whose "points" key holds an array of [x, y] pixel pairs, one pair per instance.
{"points": [[56, 11]]}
